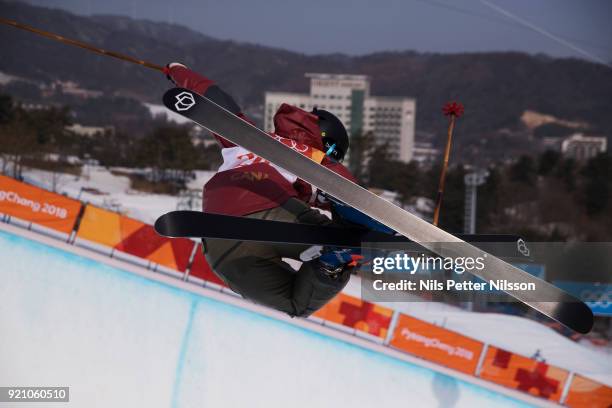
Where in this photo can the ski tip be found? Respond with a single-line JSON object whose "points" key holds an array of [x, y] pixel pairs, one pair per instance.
{"points": [[179, 100], [161, 225], [578, 316], [166, 225]]}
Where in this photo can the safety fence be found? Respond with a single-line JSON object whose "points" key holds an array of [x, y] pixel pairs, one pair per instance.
{"points": [[134, 241]]}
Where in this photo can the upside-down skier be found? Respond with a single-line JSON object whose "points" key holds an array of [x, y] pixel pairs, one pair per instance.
{"points": [[247, 185]]}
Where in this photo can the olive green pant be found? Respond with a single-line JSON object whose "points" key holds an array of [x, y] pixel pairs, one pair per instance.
{"points": [[256, 270]]}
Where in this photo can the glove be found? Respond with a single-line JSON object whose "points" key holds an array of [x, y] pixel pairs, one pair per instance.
{"points": [[183, 77], [168, 70]]}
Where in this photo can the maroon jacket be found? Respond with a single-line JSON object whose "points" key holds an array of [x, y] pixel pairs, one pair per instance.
{"points": [[246, 183]]}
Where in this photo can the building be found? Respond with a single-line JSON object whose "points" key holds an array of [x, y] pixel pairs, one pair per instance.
{"points": [[581, 147], [390, 119], [425, 154]]}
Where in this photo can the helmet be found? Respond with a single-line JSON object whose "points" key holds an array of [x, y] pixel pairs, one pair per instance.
{"points": [[333, 133]]}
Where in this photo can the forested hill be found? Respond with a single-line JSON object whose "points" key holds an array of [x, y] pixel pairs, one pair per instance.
{"points": [[496, 88]]}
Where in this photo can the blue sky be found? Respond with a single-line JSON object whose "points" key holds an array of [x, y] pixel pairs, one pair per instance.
{"points": [[557, 27]]}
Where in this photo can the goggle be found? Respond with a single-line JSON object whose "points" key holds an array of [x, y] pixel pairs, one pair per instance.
{"points": [[332, 151]]}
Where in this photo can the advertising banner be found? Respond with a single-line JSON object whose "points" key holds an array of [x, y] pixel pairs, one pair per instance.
{"points": [[598, 296], [585, 393], [436, 344], [38, 206], [134, 237], [355, 313], [524, 374]]}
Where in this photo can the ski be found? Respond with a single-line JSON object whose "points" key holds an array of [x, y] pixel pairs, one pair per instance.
{"points": [[547, 299], [196, 224]]}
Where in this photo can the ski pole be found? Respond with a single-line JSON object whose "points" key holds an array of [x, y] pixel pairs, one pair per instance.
{"points": [[453, 110], [80, 44]]}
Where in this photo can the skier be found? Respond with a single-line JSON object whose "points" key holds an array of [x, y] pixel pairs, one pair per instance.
{"points": [[247, 185]]}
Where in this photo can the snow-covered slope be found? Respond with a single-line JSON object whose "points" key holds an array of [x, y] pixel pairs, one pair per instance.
{"points": [[516, 334], [98, 186], [120, 339]]}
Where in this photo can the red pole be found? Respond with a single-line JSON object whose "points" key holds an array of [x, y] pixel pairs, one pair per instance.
{"points": [[453, 110]]}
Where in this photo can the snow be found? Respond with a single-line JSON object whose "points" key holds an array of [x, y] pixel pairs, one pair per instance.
{"points": [[516, 334], [6, 78], [98, 186], [118, 339], [156, 110]]}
